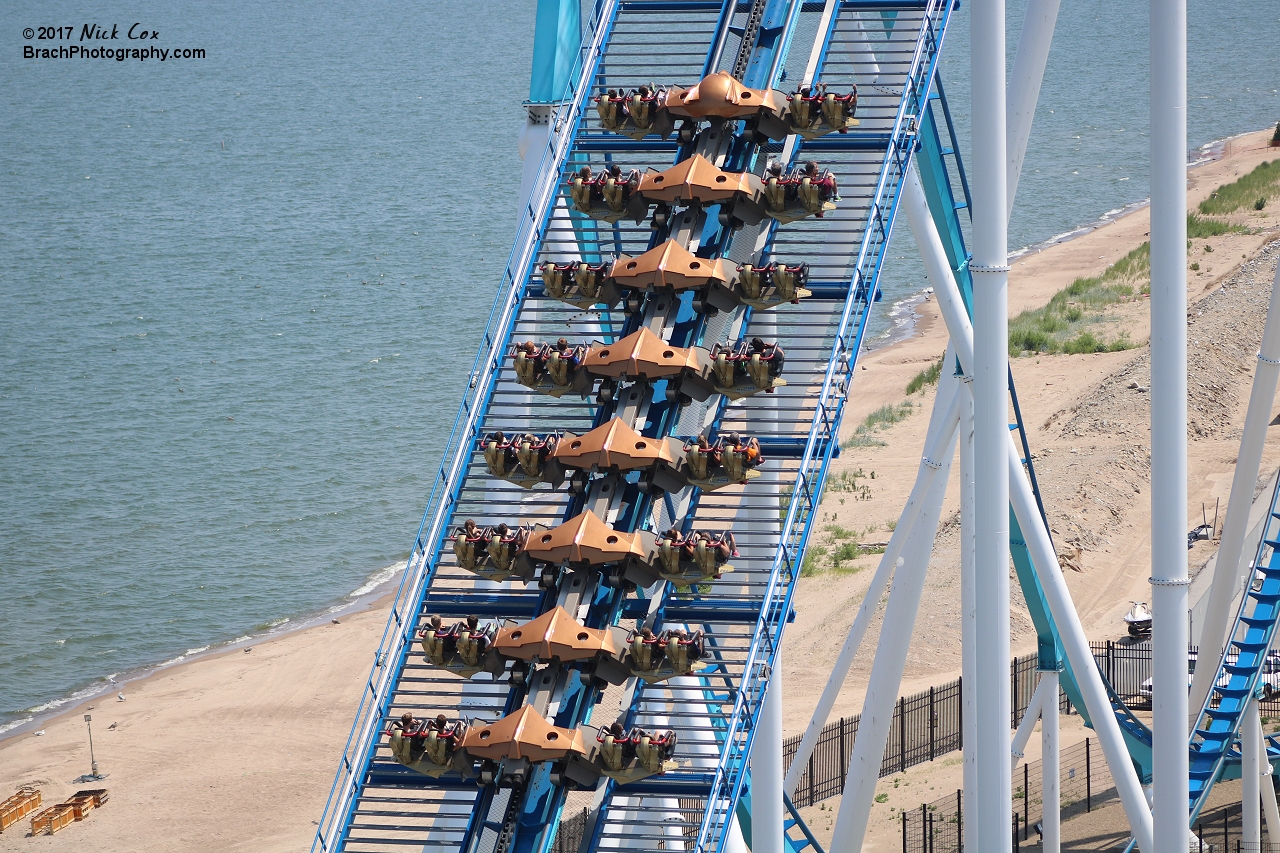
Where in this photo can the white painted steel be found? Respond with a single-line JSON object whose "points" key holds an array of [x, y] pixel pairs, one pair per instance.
{"points": [[1027, 726], [1268, 787], [1050, 796], [1229, 569], [1024, 86], [942, 422], [990, 366], [1075, 642], [1250, 768], [886, 670], [1169, 707], [968, 623], [766, 770]]}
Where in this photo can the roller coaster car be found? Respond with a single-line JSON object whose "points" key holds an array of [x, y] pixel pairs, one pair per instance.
{"points": [[585, 542], [799, 195], [697, 558], [552, 370], [643, 356], [721, 96], [616, 447], [557, 636], [769, 286], [727, 462], [580, 284], [671, 267], [525, 460], [671, 653], [465, 648], [814, 112], [624, 757], [509, 747], [638, 113], [741, 369], [429, 750], [697, 181], [495, 553], [608, 197]]}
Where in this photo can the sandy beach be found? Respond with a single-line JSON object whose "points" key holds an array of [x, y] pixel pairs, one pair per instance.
{"points": [[237, 751]]}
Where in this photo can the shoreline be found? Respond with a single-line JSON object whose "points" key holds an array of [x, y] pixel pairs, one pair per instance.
{"points": [[371, 595]]}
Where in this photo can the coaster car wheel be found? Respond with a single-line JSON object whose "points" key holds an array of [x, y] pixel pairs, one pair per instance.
{"points": [[488, 772]]}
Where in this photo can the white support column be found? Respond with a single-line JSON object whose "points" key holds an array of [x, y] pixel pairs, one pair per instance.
{"points": [[1250, 770], [766, 770], [1050, 797], [1024, 85], [1017, 750], [1228, 577], [989, 368], [941, 431], [886, 671], [1057, 595], [1169, 422], [1268, 787], [968, 619]]}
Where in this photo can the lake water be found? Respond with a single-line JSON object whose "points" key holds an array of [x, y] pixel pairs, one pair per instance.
{"points": [[240, 295]]}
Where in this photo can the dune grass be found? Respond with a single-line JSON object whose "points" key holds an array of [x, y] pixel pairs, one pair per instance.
{"points": [[1262, 183], [926, 377], [887, 415], [1059, 326]]}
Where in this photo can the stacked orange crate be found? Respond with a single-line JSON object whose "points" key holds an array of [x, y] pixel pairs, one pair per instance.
{"points": [[52, 819], [18, 806]]}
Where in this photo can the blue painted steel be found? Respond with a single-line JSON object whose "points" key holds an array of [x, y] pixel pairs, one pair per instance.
{"points": [[556, 39], [730, 772], [1218, 723]]}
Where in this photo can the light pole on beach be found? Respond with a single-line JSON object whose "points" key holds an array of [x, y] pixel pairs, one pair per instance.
{"points": [[93, 763]]}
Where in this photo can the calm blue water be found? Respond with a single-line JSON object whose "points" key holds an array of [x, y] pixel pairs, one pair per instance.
{"points": [[239, 296]]}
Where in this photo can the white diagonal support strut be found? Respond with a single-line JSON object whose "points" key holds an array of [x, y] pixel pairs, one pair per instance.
{"points": [[1075, 642]]}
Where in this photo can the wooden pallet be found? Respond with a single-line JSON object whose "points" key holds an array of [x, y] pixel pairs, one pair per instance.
{"points": [[52, 819]]}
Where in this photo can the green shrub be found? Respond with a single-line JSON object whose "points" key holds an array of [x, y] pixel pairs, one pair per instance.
{"points": [[1260, 203]]}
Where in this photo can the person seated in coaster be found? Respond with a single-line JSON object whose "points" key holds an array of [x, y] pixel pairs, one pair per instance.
{"points": [[645, 650], [437, 643], [616, 749], [680, 649], [532, 452], [470, 640], [504, 543], [815, 187], [582, 188], [838, 109], [615, 189], [653, 750], [640, 106], [770, 354], [611, 107], [466, 540], [499, 455], [777, 188], [529, 363], [700, 457]]}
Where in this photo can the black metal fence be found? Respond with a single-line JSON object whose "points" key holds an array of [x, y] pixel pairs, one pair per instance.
{"points": [[924, 726], [1084, 784], [928, 724]]}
